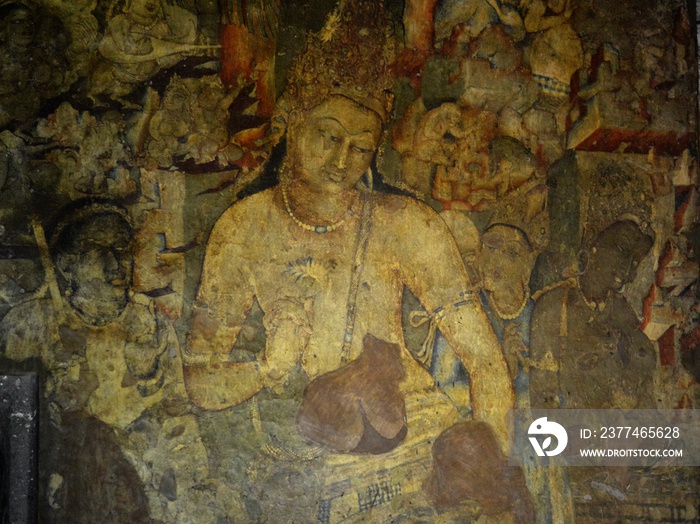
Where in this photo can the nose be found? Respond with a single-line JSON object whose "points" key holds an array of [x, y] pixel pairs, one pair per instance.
{"points": [[341, 155], [628, 270], [111, 260]]}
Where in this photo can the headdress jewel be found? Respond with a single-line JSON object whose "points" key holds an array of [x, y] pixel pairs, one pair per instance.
{"points": [[351, 56]]}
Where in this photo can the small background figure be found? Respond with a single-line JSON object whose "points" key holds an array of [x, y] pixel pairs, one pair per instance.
{"points": [[33, 43], [145, 38]]}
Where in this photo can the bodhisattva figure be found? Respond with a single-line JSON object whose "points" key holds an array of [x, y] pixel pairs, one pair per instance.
{"points": [[145, 38], [111, 367], [329, 278]]}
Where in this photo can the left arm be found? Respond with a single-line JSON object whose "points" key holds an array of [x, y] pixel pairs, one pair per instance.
{"points": [[431, 266]]}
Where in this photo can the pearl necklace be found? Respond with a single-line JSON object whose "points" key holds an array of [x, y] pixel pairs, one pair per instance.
{"points": [[319, 230], [590, 303], [147, 26], [511, 316]]}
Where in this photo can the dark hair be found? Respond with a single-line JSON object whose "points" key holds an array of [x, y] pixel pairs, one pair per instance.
{"points": [[516, 228], [8, 8], [71, 220], [509, 148], [628, 233]]}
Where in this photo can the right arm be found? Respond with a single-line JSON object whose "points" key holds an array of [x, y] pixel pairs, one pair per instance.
{"points": [[225, 295]]}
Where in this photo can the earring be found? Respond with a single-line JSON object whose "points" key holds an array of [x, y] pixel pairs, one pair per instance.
{"points": [[582, 259], [525, 283], [369, 176], [284, 172]]}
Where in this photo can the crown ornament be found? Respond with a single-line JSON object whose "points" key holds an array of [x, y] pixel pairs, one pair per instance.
{"points": [[82, 211], [526, 209], [351, 57], [618, 192]]}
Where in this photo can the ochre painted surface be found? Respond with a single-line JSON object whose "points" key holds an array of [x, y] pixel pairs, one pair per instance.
{"points": [[282, 261]]}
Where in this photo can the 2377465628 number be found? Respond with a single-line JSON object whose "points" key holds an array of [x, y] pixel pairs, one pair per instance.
{"points": [[639, 432]]}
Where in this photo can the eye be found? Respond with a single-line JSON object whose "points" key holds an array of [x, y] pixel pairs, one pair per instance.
{"points": [[361, 150], [335, 139]]}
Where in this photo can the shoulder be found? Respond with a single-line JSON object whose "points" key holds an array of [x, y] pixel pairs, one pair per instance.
{"points": [[549, 303], [178, 15], [119, 24], [182, 24], [241, 227], [402, 211], [26, 329], [248, 207], [244, 214]]}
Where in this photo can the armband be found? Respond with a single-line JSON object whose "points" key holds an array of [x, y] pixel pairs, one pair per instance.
{"points": [[419, 318]]}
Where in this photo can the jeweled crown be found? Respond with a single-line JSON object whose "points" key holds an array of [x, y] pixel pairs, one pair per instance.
{"points": [[350, 56]]}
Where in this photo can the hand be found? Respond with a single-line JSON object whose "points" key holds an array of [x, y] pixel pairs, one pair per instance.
{"points": [[143, 347], [71, 386], [288, 328]]}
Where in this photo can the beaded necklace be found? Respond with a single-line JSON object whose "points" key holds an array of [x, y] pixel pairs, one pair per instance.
{"points": [[590, 303], [510, 316], [319, 230]]}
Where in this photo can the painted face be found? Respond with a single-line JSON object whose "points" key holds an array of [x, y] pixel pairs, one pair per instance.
{"points": [[332, 145], [145, 8], [616, 254], [557, 6], [18, 28], [506, 258], [104, 257], [175, 101]]}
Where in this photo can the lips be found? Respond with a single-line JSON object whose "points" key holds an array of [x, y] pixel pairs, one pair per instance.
{"points": [[335, 176], [619, 284]]}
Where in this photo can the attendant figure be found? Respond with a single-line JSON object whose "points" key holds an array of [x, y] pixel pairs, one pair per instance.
{"points": [[585, 325], [586, 349], [111, 366]]}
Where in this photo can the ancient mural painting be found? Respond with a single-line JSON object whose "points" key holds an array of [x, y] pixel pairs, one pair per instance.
{"points": [[280, 261]]}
